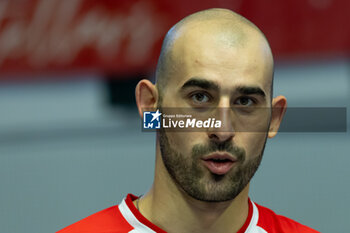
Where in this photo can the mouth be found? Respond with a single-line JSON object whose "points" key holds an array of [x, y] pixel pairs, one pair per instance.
{"points": [[219, 163]]}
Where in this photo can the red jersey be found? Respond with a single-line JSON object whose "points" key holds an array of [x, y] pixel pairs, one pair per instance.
{"points": [[126, 218]]}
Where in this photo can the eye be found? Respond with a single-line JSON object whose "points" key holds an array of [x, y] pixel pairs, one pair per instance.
{"points": [[200, 98], [245, 101]]}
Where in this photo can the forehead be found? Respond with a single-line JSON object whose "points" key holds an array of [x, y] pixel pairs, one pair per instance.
{"points": [[230, 60]]}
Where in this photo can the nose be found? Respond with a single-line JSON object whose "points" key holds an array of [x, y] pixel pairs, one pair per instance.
{"points": [[220, 136], [226, 132]]}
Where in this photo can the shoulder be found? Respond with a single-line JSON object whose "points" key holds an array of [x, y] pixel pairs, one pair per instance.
{"points": [[274, 223], [107, 220]]}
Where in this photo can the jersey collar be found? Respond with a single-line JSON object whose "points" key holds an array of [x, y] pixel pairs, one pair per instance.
{"points": [[143, 225]]}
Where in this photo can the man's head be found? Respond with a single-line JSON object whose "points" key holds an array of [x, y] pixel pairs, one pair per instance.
{"points": [[219, 60], [206, 34]]}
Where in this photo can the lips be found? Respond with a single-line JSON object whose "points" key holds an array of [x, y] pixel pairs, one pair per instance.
{"points": [[219, 163]]}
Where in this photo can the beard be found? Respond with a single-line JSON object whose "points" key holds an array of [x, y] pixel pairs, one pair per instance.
{"points": [[189, 174]]}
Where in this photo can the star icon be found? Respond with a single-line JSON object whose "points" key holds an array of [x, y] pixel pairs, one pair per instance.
{"points": [[156, 115]]}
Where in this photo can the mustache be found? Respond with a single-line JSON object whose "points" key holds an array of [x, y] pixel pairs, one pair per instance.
{"points": [[199, 150]]}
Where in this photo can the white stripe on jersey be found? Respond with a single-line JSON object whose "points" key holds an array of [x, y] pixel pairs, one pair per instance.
{"points": [[252, 227], [260, 230], [132, 220]]}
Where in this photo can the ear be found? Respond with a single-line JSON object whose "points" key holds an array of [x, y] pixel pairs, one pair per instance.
{"points": [[279, 107], [146, 96]]}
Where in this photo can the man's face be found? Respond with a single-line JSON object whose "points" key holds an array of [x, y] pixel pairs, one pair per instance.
{"points": [[209, 73]]}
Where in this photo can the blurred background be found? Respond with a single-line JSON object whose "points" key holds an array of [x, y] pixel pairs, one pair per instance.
{"points": [[70, 137]]}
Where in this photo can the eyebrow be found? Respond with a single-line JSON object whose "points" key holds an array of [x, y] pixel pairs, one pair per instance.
{"points": [[247, 90], [209, 85], [202, 83]]}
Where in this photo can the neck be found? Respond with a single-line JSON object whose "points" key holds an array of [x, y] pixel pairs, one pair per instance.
{"points": [[169, 207]]}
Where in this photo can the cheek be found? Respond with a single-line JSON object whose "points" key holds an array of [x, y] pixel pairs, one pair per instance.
{"points": [[253, 143], [181, 142]]}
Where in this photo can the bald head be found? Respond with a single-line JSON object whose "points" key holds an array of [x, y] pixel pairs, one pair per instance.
{"points": [[202, 33]]}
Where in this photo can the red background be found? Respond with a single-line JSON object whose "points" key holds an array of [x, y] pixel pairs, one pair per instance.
{"points": [[124, 37]]}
